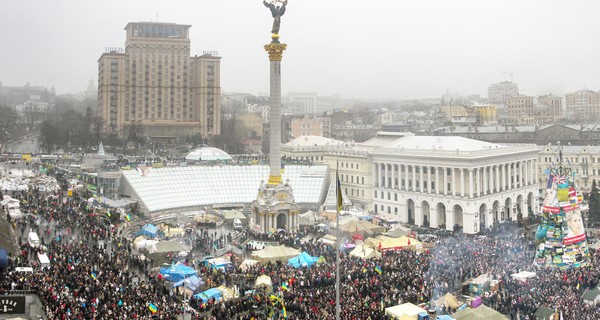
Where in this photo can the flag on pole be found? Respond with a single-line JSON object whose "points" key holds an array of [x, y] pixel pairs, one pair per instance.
{"points": [[338, 192], [108, 213], [93, 275], [284, 286], [128, 217], [153, 308]]}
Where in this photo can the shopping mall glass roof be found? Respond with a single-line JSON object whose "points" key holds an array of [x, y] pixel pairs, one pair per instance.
{"points": [[192, 186]]}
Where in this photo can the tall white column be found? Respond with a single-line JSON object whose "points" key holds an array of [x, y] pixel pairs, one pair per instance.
{"points": [[453, 182], [479, 182], [414, 188], [421, 184], [471, 183], [406, 177], [429, 180], [509, 176], [485, 181], [497, 178], [437, 180], [393, 176], [503, 176], [535, 172], [462, 182], [445, 173], [385, 175], [521, 173]]}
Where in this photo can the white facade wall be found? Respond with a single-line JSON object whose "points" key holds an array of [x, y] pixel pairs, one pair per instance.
{"points": [[469, 188]]}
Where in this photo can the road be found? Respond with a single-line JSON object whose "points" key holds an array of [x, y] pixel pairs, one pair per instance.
{"points": [[26, 144]]}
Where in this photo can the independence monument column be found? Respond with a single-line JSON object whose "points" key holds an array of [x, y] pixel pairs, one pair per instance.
{"points": [[275, 207]]}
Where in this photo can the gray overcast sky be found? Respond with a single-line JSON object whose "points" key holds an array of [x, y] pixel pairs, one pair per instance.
{"points": [[356, 48]]}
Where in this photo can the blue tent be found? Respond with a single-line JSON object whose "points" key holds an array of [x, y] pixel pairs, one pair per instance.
{"points": [[193, 283], [178, 272], [3, 258], [148, 230], [209, 294], [304, 259]]}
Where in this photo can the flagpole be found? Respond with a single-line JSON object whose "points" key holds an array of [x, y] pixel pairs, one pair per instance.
{"points": [[337, 242]]}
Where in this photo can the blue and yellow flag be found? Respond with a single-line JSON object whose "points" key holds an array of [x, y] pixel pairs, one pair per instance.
{"points": [[378, 269], [93, 275], [128, 217], [153, 308]]}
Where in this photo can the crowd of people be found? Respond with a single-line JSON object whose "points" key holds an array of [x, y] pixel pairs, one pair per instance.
{"points": [[85, 280]]}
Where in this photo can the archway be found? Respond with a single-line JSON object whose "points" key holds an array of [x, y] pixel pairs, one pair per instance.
{"points": [[532, 207], [482, 213], [410, 207], [520, 209], [506, 211], [457, 213], [441, 215], [425, 209], [282, 221], [496, 211]]}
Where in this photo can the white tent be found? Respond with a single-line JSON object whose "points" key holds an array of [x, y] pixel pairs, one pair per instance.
{"points": [[523, 275], [309, 218], [407, 309], [365, 252], [247, 263], [275, 253]]}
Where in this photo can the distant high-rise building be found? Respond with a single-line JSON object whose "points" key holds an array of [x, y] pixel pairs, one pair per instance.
{"points": [[500, 92], [155, 83], [582, 104]]}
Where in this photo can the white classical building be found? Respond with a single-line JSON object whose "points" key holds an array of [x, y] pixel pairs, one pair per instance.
{"points": [[435, 181]]}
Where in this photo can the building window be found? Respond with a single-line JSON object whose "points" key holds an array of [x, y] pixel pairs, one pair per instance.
{"points": [[395, 197]]}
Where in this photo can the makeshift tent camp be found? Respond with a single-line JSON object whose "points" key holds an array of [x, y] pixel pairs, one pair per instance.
{"points": [[230, 215], [448, 300], [365, 252], [309, 218], [247, 263], [398, 232], [403, 242], [276, 253], [193, 283], [328, 239], [168, 246], [302, 260], [480, 313], [362, 227], [177, 272], [264, 282], [408, 309], [218, 263], [213, 293], [148, 230]]}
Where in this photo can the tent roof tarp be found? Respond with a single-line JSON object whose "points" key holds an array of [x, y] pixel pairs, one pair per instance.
{"points": [[397, 243], [192, 283], [309, 218], [263, 281], [148, 230], [448, 300], [177, 272], [247, 263], [168, 246], [230, 215], [209, 294], [408, 309], [361, 226], [303, 259], [544, 312], [365, 252], [480, 313], [275, 253]]}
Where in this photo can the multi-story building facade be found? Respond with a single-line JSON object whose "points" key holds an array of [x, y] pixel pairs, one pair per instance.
{"points": [[155, 83], [500, 92], [555, 105], [584, 160], [520, 109], [453, 181], [310, 126], [582, 104]]}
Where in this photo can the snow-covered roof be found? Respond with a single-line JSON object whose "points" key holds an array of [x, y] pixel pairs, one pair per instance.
{"points": [[448, 143], [307, 141], [208, 154]]}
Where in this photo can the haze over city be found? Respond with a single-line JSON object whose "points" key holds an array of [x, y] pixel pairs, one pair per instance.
{"points": [[359, 49]]}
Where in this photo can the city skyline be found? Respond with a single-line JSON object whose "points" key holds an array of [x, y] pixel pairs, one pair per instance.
{"points": [[355, 49]]}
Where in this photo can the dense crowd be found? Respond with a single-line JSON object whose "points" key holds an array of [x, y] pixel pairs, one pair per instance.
{"points": [[85, 280]]}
